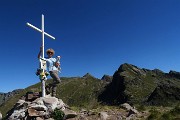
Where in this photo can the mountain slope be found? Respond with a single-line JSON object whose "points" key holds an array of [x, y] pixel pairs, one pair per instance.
{"points": [[142, 86], [5, 96], [129, 84], [74, 91]]}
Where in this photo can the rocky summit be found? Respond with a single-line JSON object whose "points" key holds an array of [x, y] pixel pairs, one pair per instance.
{"points": [[38, 108]]}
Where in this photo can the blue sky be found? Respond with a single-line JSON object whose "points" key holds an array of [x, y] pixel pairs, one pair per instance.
{"points": [[94, 36]]}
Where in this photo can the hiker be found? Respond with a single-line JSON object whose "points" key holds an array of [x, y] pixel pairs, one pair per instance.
{"points": [[52, 66]]}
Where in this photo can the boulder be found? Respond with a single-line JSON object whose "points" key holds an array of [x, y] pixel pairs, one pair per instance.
{"points": [[126, 106], [69, 113], [132, 111], [18, 114], [61, 105], [38, 101], [20, 104], [30, 96], [103, 115], [33, 112], [51, 102], [38, 107]]}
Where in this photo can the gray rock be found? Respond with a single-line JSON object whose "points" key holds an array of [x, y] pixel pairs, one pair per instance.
{"points": [[33, 112], [83, 112], [126, 106], [38, 101], [51, 102], [132, 112], [103, 115], [39, 107], [61, 105], [0, 116], [131, 117], [20, 102], [18, 114], [69, 113]]}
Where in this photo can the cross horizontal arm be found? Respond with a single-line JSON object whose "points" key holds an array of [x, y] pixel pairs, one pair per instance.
{"points": [[30, 25]]}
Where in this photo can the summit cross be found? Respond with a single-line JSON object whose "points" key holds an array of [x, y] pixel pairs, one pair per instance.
{"points": [[43, 33]]}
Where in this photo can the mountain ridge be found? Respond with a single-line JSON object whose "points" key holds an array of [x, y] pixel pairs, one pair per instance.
{"points": [[134, 85], [5, 96], [129, 84]]}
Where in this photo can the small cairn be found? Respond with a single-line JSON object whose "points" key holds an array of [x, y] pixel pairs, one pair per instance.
{"points": [[32, 106]]}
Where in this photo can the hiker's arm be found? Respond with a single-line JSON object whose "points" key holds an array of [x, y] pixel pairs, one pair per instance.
{"points": [[39, 55]]}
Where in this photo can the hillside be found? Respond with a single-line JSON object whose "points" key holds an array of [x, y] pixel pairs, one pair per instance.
{"points": [[74, 91], [5, 96], [129, 84]]}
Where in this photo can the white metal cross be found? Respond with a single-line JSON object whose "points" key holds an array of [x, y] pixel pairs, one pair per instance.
{"points": [[43, 33]]}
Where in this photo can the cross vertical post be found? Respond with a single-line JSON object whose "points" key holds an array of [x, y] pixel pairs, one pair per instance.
{"points": [[43, 81], [43, 33]]}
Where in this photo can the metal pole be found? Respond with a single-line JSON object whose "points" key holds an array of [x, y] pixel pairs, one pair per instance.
{"points": [[43, 81], [32, 26]]}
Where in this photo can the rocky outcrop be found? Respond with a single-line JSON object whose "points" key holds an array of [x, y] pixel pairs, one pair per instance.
{"points": [[88, 75], [40, 108], [134, 85], [164, 94], [174, 74], [107, 78]]}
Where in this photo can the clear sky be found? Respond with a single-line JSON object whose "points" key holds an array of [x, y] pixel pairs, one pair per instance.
{"points": [[94, 36]]}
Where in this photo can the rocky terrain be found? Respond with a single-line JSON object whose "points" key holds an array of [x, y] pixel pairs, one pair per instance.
{"points": [[147, 94], [34, 107]]}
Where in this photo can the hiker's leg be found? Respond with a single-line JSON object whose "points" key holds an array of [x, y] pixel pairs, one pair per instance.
{"points": [[54, 88], [48, 88], [56, 80]]}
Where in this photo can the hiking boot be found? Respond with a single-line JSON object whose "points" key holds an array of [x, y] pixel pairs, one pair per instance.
{"points": [[47, 90], [53, 94]]}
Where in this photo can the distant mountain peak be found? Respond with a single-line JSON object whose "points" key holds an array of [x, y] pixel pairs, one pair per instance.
{"points": [[87, 75], [107, 78]]}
